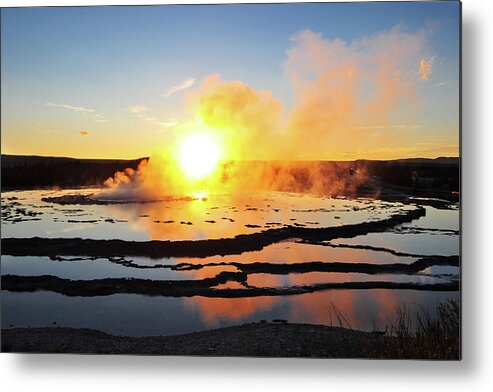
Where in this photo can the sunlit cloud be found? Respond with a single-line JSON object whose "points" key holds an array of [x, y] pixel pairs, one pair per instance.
{"points": [[77, 109], [85, 133], [181, 86], [425, 68]]}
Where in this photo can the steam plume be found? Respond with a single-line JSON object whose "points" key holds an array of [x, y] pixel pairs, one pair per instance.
{"points": [[345, 96]]}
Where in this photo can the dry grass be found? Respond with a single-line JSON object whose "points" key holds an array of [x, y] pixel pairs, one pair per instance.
{"points": [[429, 337]]}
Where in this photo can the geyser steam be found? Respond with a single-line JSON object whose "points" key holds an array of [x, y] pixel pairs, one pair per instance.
{"points": [[346, 97]]}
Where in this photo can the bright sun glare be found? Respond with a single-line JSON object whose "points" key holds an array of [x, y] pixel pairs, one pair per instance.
{"points": [[198, 155]]}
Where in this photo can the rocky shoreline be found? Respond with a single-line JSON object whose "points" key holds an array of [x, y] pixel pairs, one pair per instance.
{"points": [[261, 339]]}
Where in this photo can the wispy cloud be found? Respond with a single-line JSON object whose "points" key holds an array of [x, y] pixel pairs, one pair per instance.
{"points": [[85, 133], [141, 111], [96, 116], [77, 109], [180, 86], [444, 83], [167, 124]]}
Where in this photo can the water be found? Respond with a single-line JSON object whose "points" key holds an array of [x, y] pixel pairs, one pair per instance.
{"points": [[98, 269], [418, 244], [136, 315], [217, 217]]}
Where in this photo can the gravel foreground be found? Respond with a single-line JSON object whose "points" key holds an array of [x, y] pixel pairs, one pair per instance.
{"points": [[264, 339]]}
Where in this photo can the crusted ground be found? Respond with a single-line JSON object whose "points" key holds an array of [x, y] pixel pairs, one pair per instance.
{"points": [[263, 339]]}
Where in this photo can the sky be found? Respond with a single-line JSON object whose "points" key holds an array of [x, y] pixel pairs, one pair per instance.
{"points": [[334, 81]]}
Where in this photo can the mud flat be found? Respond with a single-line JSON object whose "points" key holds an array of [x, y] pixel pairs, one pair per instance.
{"points": [[78, 199], [282, 269], [367, 268], [190, 288], [263, 339]]}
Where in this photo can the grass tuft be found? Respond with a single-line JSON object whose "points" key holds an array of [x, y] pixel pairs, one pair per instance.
{"points": [[429, 337]]}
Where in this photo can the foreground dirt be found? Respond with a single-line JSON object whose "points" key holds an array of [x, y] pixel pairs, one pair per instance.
{"points": [[264, 339]]}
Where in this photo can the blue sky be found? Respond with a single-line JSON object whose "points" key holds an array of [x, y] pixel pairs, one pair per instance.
{"points": [[109, 59]]}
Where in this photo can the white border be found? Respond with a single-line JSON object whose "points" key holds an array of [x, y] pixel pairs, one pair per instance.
{"points": [[133, 373]]}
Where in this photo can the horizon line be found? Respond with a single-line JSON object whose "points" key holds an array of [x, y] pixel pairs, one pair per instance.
{"points": [[244, 160]]}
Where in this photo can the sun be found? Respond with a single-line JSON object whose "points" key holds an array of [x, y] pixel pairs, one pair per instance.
{"points": [[198, 155]]}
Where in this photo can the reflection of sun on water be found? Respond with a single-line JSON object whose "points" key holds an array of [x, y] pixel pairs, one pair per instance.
{"points": [[198, 155], [200, 195]]}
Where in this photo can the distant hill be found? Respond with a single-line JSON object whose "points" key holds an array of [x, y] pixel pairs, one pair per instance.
{"points": [[28, 172], [421, 161], [437, 161], [31, 160]]}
